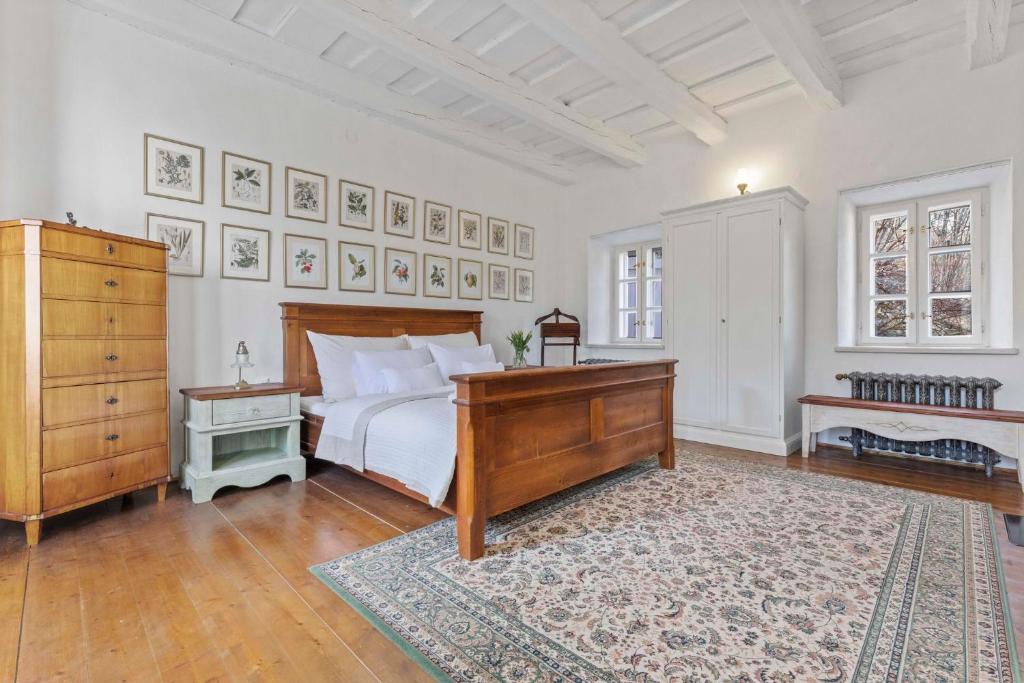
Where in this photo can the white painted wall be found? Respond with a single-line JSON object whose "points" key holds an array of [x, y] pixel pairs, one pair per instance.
{"points": [[77, 92], [922, 116]]}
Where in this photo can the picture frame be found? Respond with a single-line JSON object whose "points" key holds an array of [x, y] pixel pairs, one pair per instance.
{"points": [[357, 267], [437, 222], [497, 235], [470, 229], [245, 183], [497, 281], [523, 285], [523, 241], [399, 214], [356, 205], [244, 253], [173, 169], [305, 195], [186, 241], [471, 279], [305, 261], [437, 276], [399, 271]]}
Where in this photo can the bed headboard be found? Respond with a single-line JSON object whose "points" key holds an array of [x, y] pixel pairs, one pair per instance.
{"points": [[357, 321]]}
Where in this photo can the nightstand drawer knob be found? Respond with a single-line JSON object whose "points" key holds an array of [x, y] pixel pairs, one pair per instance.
{"points": [[112, 400], [112, 437], [255, 411], [111, 356]]}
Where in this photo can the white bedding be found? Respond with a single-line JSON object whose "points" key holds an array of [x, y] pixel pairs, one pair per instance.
{"points": [[409, 437]]}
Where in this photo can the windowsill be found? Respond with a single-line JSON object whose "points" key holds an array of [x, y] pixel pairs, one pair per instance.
{"points": [[965, 350], [622, 345]]}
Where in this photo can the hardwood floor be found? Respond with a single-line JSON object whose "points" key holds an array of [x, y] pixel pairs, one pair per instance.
{"points": [[221, 591]]}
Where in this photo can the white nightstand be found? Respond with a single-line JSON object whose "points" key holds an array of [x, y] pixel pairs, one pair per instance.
{"points": [[240, 437]]}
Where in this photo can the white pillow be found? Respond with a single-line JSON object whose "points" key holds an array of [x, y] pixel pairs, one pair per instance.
{"points": [[474, 368], [450, 360], [400, 380], [367, 366], [460, 340], [334, 360]]}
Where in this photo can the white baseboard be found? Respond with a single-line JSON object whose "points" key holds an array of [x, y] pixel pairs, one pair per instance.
{"points": [[747, 442]]}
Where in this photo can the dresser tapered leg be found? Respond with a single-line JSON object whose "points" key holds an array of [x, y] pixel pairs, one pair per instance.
{"points": [[32, 528], [161, 492]]}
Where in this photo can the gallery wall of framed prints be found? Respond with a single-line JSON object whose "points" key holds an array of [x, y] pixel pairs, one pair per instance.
{"points": [[444, 268]]}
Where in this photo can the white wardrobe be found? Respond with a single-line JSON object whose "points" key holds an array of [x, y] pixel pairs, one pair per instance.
{"points": [[736, 292]]}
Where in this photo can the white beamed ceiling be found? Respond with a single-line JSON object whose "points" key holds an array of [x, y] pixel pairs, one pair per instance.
{"points": [[482, 75]]}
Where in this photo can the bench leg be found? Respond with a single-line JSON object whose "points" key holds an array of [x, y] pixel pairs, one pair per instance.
{"points": [[814, 441], [805, 437]]}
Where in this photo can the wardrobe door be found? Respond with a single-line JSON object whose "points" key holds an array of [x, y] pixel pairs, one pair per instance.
{"points": [[694, 313], [748, 371]]}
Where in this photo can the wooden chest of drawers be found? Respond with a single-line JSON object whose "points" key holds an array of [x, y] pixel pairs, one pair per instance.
{"points": [[83, 368]]}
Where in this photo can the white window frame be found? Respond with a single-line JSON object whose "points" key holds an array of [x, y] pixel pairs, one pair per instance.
{"points": [[643, 278], [917, 255]]}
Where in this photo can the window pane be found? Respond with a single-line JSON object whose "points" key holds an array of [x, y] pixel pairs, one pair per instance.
{"points": [[890, 318], [627, 325], [950, 272], [653, 293], [627, 294], [627, 264], [890, 234], [951, 317], [654, 262], [890, 275], [654, 324], [949, 227]]}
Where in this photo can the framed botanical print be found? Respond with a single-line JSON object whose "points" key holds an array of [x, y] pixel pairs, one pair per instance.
{"points": [[437, 222], [523, 241], [305, 195], [356, 203], [399, 271], [173, 169], [245, 183], [497, 235], [471, 279], [357, 269], [497, 281], [437, 276], [524, 285], [470, 229], [399, 214], [244, 253], [184, 239], [305, 262]]}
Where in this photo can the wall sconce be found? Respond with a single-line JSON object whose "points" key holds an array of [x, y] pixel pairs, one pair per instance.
{"points": [[743, 180]]}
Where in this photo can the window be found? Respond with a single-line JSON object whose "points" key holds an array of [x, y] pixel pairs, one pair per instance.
{"points": [[637, 274], [922, 270]]}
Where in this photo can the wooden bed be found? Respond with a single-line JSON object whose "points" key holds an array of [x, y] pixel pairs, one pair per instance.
{"points": [[522, 434]]}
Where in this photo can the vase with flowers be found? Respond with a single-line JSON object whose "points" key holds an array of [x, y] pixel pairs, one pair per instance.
{"points": [[520, 341]]}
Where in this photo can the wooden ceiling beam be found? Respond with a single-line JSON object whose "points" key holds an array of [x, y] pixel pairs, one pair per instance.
{"points": [[192, 26], [428, 49], [575, 25], [988, 23], [797, 44]]}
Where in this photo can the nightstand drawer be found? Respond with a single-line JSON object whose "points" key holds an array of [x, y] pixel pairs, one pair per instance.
{"points": [[226, 411]]}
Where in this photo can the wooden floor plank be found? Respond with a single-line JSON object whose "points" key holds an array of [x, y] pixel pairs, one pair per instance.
{"points": [[13, 575]]}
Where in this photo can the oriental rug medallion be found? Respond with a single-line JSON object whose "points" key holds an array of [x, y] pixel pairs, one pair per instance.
{"points": [[720, 570]]}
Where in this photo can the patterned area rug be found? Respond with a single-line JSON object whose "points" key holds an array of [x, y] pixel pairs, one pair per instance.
{"points": [[720, 570]]}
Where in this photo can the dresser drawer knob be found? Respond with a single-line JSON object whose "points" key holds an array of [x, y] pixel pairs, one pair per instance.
{"points": [[111, 283], [111, 356], [112, 400], [110, 248], [112, 437]]}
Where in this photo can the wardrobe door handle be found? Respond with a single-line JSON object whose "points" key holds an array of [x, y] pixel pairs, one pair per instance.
{"points": [[111, 356], [111, 283], [112, 437], [112, 401]]}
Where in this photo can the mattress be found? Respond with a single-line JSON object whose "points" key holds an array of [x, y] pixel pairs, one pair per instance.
{"points": [[314, 404]]}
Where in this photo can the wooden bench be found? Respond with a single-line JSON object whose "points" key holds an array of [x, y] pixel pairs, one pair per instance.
{"points": [[1000, 430]]}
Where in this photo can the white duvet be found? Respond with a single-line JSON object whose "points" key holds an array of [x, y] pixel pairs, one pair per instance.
{"points": [[409, 437]]}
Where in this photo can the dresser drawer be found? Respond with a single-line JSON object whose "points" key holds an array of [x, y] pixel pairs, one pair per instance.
{"points": [[71, 405], [91, 480], [74, 357], [67, 446], [80, 280], [101, 248], [228, 410], [66, 318]]}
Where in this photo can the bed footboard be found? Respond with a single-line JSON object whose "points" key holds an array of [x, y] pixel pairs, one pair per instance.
{"points": [[526, 434]]}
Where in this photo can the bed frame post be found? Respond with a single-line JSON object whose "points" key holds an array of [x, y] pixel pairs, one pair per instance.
{"points": [[667, 457], [471, 475]]}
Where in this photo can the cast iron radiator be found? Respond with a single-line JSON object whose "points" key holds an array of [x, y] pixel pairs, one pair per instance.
{"points": [[932, 390]]}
